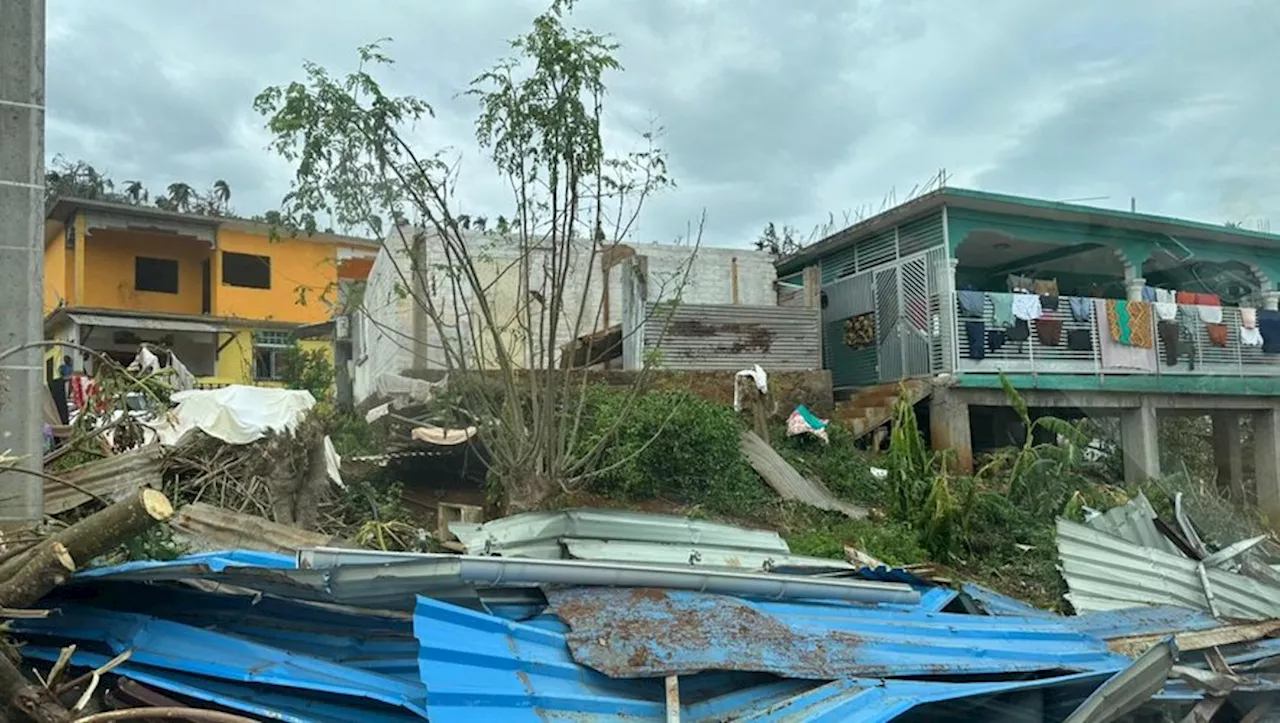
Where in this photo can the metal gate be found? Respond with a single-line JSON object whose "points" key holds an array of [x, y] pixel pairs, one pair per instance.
{"points": [[906, 330]]}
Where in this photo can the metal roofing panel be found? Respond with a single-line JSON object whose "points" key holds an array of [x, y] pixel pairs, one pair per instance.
{"points": [[1129, 689], [1134, 522], [173, 646], [1104, 572], [995, 603], [640, 633], [730, 337], [269, 703], [457, 577], [105, 478], [152, 324], [494, 537]]}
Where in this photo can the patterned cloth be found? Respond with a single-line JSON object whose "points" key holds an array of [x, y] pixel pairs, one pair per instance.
{"points": [[860, 331], [1130, 323]]}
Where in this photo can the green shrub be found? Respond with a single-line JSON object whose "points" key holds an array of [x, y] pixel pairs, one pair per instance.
{"points": [[840, 465], [826, 534], [670, 444]]}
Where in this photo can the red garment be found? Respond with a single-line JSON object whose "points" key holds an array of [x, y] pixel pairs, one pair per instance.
{"points": [[1186, 297], [83, 389], [1208, 300]]}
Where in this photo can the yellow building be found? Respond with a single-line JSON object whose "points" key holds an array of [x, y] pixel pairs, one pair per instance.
{"points": [[220, 293]]}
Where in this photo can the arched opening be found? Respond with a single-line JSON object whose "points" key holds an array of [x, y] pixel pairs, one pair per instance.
{"points": [[987, 258]]}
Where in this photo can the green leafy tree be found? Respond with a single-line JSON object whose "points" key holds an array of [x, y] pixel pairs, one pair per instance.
{"points": [[308, 369], [358, 164], [779, 243]]}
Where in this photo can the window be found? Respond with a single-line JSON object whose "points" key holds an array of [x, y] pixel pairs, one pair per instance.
{"points": [[159, 275], [269, 350], [246, 270]]}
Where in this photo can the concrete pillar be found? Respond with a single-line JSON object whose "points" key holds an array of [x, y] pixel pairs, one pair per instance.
{"points": [[1228, 455], [1266, 465], [949, 428], [22, 254], [1139, 442], [1271, 300], [1133, 288]]}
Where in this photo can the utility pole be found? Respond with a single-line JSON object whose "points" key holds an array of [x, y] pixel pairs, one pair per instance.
{"points": [[21, 254]]}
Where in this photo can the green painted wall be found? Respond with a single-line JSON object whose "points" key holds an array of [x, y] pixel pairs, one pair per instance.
{"points": [[1176, 384]]}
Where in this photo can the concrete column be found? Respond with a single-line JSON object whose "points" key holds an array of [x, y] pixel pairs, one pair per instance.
{"points": [[1271, 300], [1133, 288], [1266, 465], [22, 253], [1228, 455], [949, 428], [1139, 443]]}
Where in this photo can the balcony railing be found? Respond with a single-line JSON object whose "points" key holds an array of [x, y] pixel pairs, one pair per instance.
{"points": [[1199, 355]]}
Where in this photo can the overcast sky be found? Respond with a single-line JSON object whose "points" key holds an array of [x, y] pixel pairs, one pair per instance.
{"points": [[774, 110]]}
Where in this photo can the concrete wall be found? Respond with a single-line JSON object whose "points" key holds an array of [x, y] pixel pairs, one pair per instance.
{"points": [[397, 335]]}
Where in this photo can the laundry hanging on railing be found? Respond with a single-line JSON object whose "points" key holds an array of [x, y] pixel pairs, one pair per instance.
{"points": [[976, 333], [1218, 335], [1049, 331], [1269, 326], [1250, 336], [1170, 333], [1129, 322], [1248, 317], [1081, 308], [972, 303], [1001, 310], [1115, 355], [1079, 340], [1027, 307]]}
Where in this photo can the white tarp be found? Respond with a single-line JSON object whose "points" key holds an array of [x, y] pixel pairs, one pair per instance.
{"points": [[235, 414]]}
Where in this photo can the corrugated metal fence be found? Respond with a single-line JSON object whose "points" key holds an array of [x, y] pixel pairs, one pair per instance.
{"points": [[732, 337]]}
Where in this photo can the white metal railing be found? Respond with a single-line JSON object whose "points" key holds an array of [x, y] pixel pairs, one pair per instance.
{"points": [[1199, 355]]}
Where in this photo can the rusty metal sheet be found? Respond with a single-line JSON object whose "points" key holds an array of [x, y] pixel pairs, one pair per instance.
{"points": [[730, 337], [105, 478], [654, 632]]}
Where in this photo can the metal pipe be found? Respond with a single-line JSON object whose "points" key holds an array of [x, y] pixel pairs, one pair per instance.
{"points": [[499, 571]]}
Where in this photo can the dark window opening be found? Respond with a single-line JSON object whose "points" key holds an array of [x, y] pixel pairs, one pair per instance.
{"points": [[159, 275], [246, 270]]}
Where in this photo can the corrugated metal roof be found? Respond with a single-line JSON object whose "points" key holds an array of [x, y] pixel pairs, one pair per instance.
{"points": [[157, 324], [509, 535], [1129, 689], [1134, 522], [994, 603], [173, 646], [645, 633], [459, 577], [1104, 572], [730, 337], [105, 478]]}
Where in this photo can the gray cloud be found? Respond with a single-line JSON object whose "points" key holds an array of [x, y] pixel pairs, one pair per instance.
{"points": [[772, 111]]}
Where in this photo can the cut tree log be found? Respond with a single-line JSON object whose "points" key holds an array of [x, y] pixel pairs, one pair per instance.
{"points": [[46, 567], [28, 699], [106, 529]]}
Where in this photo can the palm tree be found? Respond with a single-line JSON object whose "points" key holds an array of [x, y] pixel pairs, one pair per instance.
{"points": [[180, 195], [136, 192], [221, 192]]}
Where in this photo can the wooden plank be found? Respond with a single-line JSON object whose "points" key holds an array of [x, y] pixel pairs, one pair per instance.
{"points": [[789, 483]]}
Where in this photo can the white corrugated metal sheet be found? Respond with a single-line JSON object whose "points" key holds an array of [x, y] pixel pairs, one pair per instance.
{"points": [[1134, 522], [1104, 572], [153, 324], [105, 478], [701, 337]]}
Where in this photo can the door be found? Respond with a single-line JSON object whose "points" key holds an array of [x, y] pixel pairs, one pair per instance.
{"points": [[206, 290], [903, 320]]}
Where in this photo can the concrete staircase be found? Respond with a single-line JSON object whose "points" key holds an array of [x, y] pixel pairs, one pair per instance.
{"points": [[871, 409]]}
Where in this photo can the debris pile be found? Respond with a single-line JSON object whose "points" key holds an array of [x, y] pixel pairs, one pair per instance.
{"points": [[603, 615]]}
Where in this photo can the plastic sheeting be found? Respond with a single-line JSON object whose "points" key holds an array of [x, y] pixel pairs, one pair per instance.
{"points": [[236, 414]]}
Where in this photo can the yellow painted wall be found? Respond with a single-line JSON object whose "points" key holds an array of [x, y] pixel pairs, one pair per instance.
{"points": [[56, 287], [294, 263], [109, 271]]}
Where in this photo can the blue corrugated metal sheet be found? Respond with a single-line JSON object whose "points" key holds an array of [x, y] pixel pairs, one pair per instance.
{"points": [[994, 603], [255, 700], [168, 645], [211, 561], [648, 632]]}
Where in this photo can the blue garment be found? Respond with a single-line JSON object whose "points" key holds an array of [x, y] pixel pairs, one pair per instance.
{"points": [[971, 302], [1081, 308], [1269, 325], [1148, 293], [976, 333]]}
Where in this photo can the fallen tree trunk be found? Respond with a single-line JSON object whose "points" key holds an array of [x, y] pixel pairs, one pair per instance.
{"points": [[106, 529], [31, 700], [46, 567]]}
